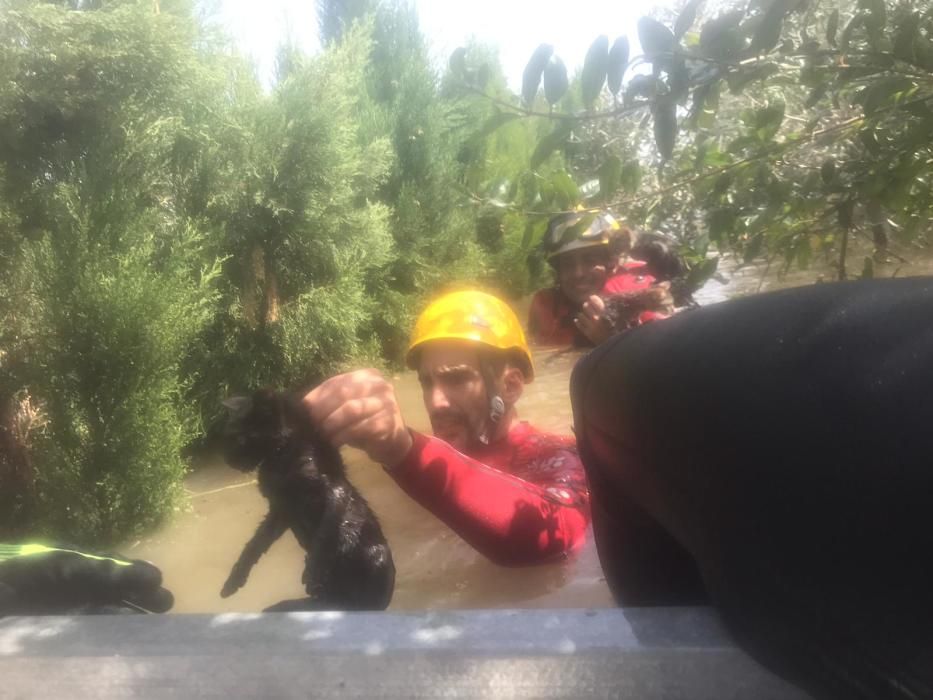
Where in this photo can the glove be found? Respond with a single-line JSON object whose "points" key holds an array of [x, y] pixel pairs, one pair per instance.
{"points": [[37, 579]]}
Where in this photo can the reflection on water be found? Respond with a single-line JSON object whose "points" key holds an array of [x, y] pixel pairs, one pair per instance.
{"points": [[435, 568], [758, 277]]}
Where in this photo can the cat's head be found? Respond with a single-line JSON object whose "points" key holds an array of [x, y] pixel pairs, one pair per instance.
{"points": [[255, 429]]}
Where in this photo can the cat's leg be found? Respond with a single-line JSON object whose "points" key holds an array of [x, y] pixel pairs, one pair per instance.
{"points": [[330, 540], [270, 529]]}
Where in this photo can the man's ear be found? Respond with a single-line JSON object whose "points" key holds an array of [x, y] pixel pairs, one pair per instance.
{"points": [[513, 384]]}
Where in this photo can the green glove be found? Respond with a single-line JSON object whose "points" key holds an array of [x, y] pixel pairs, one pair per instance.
{"points": [[38, 579]]}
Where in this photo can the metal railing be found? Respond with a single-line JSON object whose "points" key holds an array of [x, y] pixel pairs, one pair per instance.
{"points": [[643, 653]]}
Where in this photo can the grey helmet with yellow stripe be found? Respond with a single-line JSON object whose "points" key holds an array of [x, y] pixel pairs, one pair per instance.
{"points": [[581, 229]]}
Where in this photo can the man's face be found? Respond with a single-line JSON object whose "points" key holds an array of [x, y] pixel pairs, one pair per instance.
{"points": [[454, 391], [583, 272]]}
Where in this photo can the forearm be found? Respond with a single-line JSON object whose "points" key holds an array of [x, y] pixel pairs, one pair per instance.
{"points": [[509, 520]]}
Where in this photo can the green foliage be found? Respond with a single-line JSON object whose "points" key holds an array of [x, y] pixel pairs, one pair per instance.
{"points": [[767, 121], [298, 227], [107, 114], [103, 364], [335, 17], [170, 234]]}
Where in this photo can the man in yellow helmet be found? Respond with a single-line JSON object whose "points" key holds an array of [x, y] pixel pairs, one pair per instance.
{"points": [[514, 493]]}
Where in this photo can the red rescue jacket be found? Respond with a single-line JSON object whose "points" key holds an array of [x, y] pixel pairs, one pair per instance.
{"points": [[522, 500], [550, 318]]}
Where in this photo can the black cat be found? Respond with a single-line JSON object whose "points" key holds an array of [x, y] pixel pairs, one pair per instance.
{"points": [[348, 565], [623, 309]]}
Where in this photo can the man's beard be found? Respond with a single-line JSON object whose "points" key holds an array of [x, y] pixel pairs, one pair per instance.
{"points": [[444, 420]]}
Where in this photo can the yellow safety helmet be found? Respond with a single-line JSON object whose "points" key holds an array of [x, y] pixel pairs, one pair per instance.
{"points": [[475, 316]]}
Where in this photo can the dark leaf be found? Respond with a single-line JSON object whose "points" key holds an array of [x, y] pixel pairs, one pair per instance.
{"points": [[493, 123], [876, 17], [769, 119], [711, 158], [699, 101], [722, 184], [849, 29], [803, 252], [531, 77], [678, 77], [919, 109], [710, 107], [753, 248], [701, 272], [741, 143], [719, 222], [471, 146], [905, 38], [720, 38], [870, 140], [686, 18], [765, 121], [656, 39], [816, 94], [457, 62], [630, 178], [665, 126], [594, 69], [550, 143], [768, 33], [844, 214], [483, 73], [610, 175], [832, 25], [555, 80], [741, 77], [810, 48], [618, 61], [879, 93], [640, 86]]}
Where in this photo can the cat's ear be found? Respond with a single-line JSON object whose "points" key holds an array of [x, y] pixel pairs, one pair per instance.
{"points": [[238, 405]]}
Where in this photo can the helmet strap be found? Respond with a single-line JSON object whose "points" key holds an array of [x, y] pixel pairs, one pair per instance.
{"points": [[496, 403]]}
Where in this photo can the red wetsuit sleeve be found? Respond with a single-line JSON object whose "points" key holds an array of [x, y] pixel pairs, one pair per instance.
{"points": [[510, 520], [550, 320]]}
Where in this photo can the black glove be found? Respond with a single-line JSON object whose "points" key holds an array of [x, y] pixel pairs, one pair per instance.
{"points": [[37, 579]]}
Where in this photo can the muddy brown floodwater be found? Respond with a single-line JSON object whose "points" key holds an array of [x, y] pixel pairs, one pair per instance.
{"points": [[435, 568]]}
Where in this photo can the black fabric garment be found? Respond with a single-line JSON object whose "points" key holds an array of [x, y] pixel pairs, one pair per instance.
{"points": [[67, 581], [774, 455]]}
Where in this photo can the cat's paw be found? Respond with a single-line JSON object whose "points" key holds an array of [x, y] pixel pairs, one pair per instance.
{"points": [[233, 584]]}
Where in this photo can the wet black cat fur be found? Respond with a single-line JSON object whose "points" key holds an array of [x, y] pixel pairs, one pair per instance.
{"points": [[348, 565]]}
